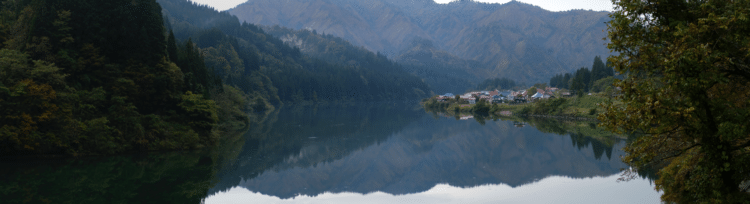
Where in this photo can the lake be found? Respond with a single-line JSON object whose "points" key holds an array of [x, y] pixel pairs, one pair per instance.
{"points": [[353, 153]]}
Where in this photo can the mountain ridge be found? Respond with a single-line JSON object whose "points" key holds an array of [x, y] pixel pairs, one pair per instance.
{"points": [[514, 39]]}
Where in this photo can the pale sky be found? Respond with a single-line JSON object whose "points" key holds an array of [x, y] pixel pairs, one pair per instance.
{"points": [[554, 189], [552, 5]]}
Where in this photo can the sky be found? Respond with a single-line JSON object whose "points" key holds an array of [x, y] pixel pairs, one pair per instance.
{"points": [[554, 189], [552, 5]]}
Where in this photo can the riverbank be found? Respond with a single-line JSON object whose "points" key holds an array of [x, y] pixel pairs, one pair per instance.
{"points": [[573, 108]]}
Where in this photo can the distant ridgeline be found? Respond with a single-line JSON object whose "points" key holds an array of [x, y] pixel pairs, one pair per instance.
{"points": [[515, 40], [270, 68]]}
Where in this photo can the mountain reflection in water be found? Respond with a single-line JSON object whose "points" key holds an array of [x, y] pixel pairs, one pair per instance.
{"points": [[554, 189], [390, 152], [329, 152]]}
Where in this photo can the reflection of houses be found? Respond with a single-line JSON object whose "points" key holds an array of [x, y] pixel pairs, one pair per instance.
{"points": [[519, 124], [466, 117]]}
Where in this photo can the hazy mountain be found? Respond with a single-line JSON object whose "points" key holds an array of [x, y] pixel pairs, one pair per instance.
{"points": [[441, 70], [513, 40]]}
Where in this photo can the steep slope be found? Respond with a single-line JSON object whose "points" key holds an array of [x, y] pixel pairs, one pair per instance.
{"points": [[255, 61], [353, 20], [444, 72], [87, 77], [513, 39]]}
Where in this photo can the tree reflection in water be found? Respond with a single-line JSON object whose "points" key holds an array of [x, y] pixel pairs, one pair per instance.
{"points": [[400, 151]]}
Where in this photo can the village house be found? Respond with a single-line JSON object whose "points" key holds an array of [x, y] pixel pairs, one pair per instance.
{"points": [[468, 97], [494, 93], [485, 98], [498, 99]]}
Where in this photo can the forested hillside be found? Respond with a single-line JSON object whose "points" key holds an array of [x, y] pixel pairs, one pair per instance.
{"points": [[597, 79], [102, 77], [515, 40], [258, 62], [439, 77], [94, 77]]}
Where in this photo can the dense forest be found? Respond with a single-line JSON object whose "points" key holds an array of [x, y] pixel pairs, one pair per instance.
{"points": [[101, 77], [94, 77], [584, 80], [270, 69]]}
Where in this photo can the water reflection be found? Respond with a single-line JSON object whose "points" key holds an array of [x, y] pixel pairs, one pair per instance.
{"points": [[179, 177], [391, 151], [157, 177], [362, 150], [554, 189]]}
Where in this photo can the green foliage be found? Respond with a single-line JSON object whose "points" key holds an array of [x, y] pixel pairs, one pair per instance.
{"points": [[603, 84], [685, 93], [232, 107], [531, 91], [200, 111], [28, 98], [583, 78], [481, 107], [94, 77]]}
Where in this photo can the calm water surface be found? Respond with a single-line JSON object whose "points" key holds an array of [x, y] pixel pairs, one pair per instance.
{"points": [[355, 153]]}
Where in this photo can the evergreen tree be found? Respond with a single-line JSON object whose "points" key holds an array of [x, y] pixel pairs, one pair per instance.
{"points": [[172, 47], [566, 81]]}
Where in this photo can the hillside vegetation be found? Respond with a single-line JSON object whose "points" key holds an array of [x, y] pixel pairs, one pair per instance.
{"points": [[258, 62], [94, 77], [517, 40], [104, 77]]}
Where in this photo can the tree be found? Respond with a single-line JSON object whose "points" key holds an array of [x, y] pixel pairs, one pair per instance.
{"points": [[531, 91], [685, 95], [566, 81]]}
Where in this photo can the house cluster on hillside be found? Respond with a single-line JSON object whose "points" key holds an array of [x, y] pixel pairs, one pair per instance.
{"points": [[506, 96]]}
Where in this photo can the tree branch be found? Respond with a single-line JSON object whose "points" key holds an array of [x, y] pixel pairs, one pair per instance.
{"points": [[677, 154], [747, 144]]}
